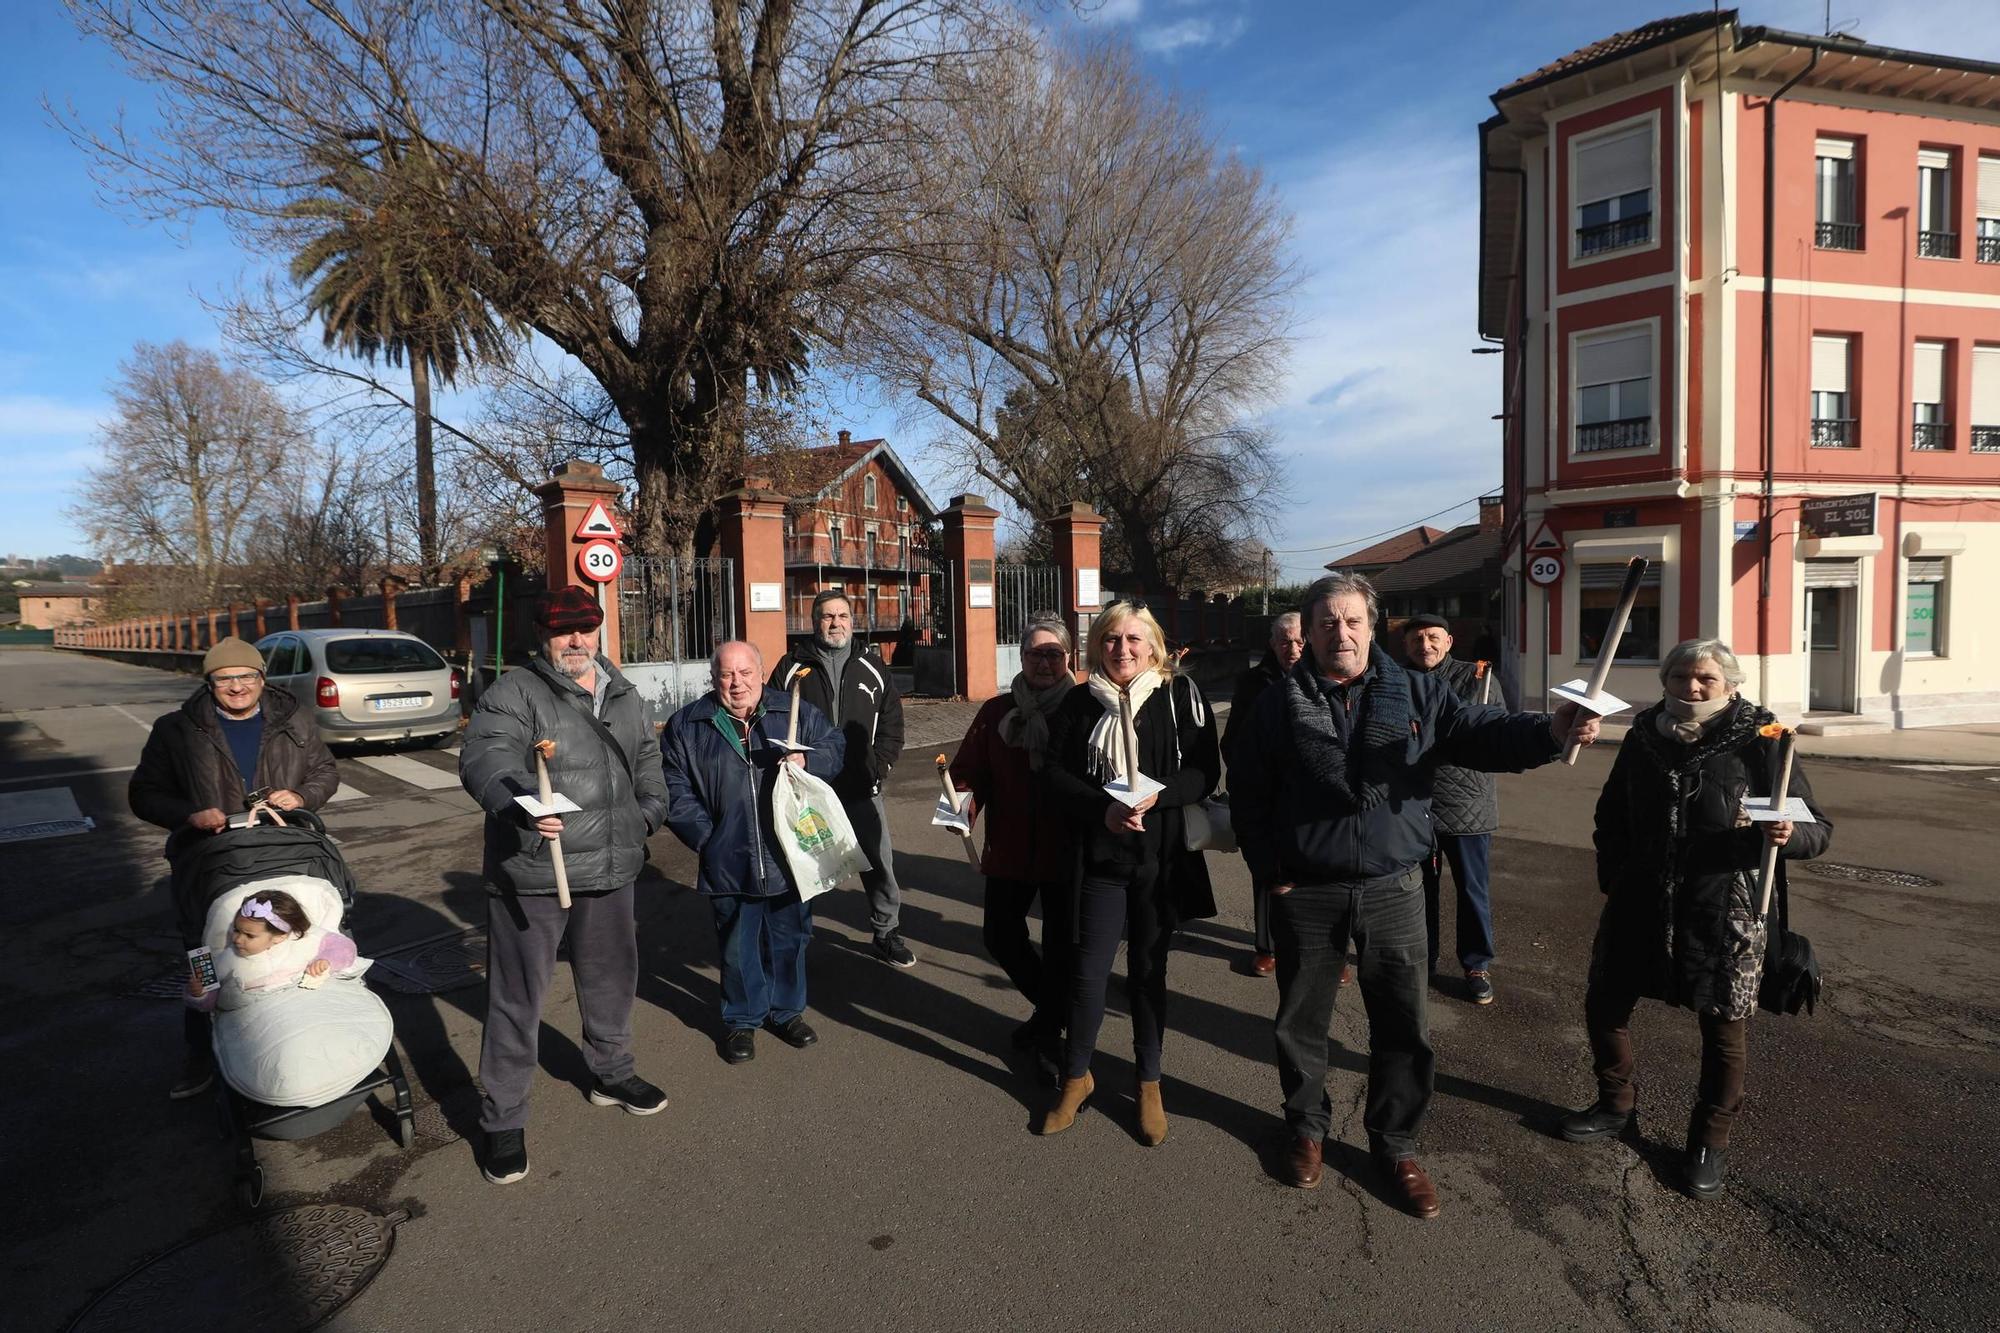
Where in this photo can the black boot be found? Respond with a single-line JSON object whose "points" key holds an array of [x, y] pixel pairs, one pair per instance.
{"points": [[1593, 1122], [1704, 1172]]}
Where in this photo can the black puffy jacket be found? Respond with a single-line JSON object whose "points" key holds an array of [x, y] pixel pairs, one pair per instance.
{"points": [[623, 795], [1463, 800], [187, 765]]}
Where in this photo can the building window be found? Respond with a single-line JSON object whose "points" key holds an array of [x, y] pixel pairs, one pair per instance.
{"points": [[1937, 231], [1614, 392], [1614, 191], [1924, 603], [1987, 207], [1986, 400], [902, 504], [903, 551], [1930, 429], [868, 491], [1832, 405], [833, 543], [1838, 212], [1597, 598], [870, 547]]}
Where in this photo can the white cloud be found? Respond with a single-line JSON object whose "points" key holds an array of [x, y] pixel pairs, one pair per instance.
{"points": [[34, 419], [1168, 39]]}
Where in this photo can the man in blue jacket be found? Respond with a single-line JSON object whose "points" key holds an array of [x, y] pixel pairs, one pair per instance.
{"points": [[1331, 796], [721, 755]]}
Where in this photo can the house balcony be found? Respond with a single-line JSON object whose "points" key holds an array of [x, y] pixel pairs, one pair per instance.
{"points": [[1837, 236], [1988, 251], [1608, 236], [1603, 436], [818, 552], [1937, 245], [1986, 439], [1833, 433], [1931, 436]]}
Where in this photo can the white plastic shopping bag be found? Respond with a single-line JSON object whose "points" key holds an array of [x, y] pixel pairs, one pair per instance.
{"points": [[819, 843]]}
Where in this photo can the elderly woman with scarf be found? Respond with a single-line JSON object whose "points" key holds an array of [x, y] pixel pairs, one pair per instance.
{"points": [[1029, 851], [1678, 862], [1131, 872]]}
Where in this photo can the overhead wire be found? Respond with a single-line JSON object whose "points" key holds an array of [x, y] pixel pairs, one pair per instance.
{"points": [[1386, 532]]}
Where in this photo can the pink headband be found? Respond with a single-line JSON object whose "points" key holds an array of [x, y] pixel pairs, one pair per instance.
{"points": [[257, 908]]}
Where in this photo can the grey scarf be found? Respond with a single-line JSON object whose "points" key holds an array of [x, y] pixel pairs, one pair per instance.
{"points": [[832, 661], [1684, 722], [1357, 773], [1025, 726]]}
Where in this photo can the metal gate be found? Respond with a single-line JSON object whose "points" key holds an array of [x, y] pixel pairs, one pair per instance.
{"points": [[1020, 592], [930, 584], [672, 613]]}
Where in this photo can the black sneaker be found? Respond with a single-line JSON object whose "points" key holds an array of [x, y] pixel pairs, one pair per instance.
{"points": [[506, 1156], [1593, 1122], [1479, 986], [1704, 1172], [893, 951], [197, 1076], [635, 1094]]}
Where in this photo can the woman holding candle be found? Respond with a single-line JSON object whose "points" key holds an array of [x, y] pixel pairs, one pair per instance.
{"points": [[1131, 874], [1679, 861]]}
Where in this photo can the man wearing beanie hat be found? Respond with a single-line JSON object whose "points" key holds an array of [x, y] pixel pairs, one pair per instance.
{"points": [[234, 736], [607, 761]]}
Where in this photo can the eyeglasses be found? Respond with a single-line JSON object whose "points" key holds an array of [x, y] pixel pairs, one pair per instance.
{"points": [[242, 678], [1046, 654]]}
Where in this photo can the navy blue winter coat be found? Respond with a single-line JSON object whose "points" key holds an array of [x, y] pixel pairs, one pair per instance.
{"points": [[719, 797]]}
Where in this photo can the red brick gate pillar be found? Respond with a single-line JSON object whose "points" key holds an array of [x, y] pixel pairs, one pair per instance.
{"points": [[968, 542], [567, 497], [752, 531], [1077, 535]]}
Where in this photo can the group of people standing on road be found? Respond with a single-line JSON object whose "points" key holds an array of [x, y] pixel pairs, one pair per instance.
{"points": [[1352, 780]]}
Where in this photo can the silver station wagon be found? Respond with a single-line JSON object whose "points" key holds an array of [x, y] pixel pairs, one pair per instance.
{"points": [[366, 684]]}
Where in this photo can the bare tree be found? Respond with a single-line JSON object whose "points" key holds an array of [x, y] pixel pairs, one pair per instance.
{"points": [[675, 195], [1095, 300], [189, 457], [319, 530]]}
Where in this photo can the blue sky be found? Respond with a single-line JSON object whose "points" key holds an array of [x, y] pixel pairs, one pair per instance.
{"points": [[1362, 116]]}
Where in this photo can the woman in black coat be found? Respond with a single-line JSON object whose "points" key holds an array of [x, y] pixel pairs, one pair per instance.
{"points": [[1678, 861], [1134, 876]]}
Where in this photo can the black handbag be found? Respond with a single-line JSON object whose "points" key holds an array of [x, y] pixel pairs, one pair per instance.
{"points": [[1791, 974]]}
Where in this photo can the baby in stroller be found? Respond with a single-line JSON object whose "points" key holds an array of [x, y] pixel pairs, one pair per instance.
{"points": [[268, 951]]}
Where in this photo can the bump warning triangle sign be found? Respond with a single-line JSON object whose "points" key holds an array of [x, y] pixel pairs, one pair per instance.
{"points": [[596, 523]]}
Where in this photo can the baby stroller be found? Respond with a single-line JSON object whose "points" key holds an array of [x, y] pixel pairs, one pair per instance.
{"points": [[295, 854]]}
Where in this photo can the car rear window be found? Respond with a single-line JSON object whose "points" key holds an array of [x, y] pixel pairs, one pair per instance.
{"points": [[378, 657]]}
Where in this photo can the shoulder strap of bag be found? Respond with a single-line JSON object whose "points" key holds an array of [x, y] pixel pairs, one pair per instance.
{"points": [[596, 724]]}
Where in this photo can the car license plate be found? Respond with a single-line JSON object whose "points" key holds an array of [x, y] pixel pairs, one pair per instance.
{"points": [[392, 703]]}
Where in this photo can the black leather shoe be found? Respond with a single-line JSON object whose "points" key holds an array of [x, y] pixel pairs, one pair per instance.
{"points": [[1704, 1172], [740, 1045], [794, 1032], [1593, 1122]]}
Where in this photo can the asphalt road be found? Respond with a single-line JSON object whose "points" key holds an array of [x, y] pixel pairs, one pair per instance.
{"points": [[887, 1178]]}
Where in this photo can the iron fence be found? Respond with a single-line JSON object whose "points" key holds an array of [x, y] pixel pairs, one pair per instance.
{"points": [[674, 610], [1021, 592]]}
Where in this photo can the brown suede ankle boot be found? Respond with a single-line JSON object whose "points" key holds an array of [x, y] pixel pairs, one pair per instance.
{"points": [[1152, 1115], [1063, 1114]]}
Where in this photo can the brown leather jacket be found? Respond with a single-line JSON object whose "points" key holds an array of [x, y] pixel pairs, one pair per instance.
{"points": [[187, 765]]}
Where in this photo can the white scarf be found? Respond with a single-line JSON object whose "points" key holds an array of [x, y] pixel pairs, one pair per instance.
{"points": [[1684, 721], [1107, 739], [282, 962]]}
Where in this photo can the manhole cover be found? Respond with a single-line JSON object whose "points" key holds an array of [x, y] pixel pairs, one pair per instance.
{"points": [[277, 1274], [1901, 879], [172, 986], [433, 1123], [442, 965]]}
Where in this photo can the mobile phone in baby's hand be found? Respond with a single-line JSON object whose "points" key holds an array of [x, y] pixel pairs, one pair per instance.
{"points": [[201, 966]]}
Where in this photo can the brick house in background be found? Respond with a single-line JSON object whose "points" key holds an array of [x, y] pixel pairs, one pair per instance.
{"points": [[60, 605], [1738, 275], [860, 528], [1457, 575], [1370, 561]]}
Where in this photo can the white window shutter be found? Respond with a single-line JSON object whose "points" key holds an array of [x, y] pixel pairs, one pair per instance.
{"points": [[1829, 365], [1618, 164], [1989, 187], [1934, 159], [1841, 150], [1927, 374], [1607, 361], [1986, 386]]}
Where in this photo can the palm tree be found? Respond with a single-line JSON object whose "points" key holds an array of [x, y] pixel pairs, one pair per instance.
{"points": [[389, 275]]}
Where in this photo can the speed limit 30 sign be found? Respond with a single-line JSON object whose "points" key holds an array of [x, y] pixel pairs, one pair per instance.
{"points": [[599, 561], [1544, 568]]}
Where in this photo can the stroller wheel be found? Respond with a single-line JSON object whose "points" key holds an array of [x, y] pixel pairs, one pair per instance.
{"points": [[250, 1188], [406, 1131]]}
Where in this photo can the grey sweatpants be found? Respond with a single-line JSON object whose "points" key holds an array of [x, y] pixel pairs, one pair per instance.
{"points": [[522, 933], [870, 819]]}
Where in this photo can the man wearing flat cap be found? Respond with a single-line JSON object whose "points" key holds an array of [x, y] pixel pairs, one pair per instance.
{"points": [[233, 740], [1465, 811], [607, 762]]}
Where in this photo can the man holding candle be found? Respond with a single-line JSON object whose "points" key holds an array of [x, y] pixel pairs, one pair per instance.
{"points": [[849, 685], [722, 754], [607, 761], [1331, 793]]}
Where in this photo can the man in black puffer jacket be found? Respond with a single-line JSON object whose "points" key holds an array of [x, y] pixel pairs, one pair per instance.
{"points": [[607, 761], [1288, 645], [1465, 807]]}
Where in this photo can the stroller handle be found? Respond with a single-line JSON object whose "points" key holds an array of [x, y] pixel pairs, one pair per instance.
{"points": [[296, 818]]}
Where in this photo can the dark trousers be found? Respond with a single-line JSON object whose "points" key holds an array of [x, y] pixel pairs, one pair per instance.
{"points": [[1260, 914], [763, 945], [1725, 1050], [522, 932], [870, 819], [1036, 974], [1470, 855], [1108, 904], [1313, 924]]}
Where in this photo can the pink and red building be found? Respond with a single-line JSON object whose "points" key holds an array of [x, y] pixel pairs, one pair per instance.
{"points": [[1747, 283]]}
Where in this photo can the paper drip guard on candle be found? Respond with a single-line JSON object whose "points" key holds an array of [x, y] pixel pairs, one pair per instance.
{"points": [[558, 804], [1602, 703]]}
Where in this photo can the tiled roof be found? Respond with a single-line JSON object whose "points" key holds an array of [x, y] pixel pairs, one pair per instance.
{"points": [[1621, 44], [1399, 547], [1465, 557]]}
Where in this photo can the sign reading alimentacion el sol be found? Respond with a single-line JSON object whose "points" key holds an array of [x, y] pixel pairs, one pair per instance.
{"points": [[1837, 516]]}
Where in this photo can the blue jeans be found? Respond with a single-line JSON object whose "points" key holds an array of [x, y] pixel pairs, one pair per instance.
{"points": [[1470, 855], [1313, 924], [1109, 904], [763, 943]]}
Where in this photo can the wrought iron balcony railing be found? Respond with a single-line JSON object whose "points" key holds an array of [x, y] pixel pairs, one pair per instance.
{"points": [[1606, 236], [1989, 250], [1930, 435], [1937, 245], [1986, 439], [1833, 433], [1838, 236], [1601, 436]]}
